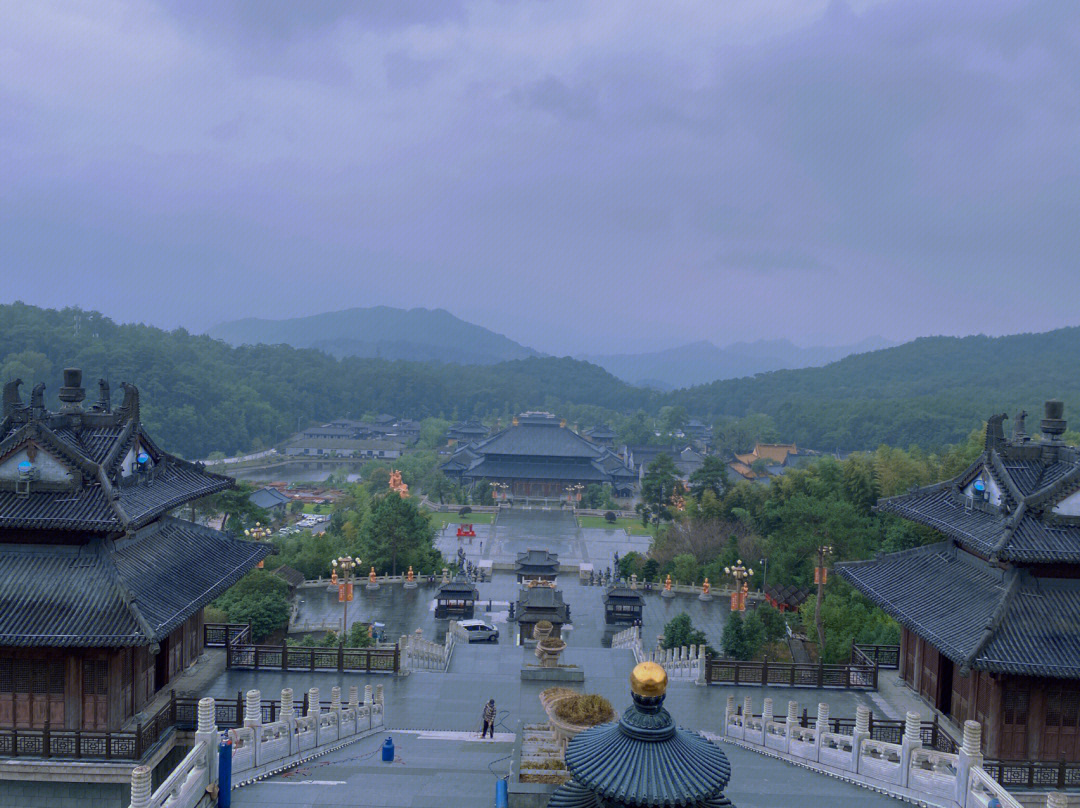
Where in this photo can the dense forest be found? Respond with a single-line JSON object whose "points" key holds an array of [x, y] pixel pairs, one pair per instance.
{"points": [[200, 395]]}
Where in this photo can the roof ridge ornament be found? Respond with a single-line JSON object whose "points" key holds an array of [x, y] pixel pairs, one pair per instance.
{"points": [[12, 400]]}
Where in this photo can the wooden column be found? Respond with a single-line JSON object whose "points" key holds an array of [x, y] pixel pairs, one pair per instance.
{"points": [[905, 638], [1036, 723], [73, 691], [116, 690], [992, 730]]}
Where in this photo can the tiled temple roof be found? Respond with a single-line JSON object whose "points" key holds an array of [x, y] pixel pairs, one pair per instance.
{"points": [[97, 490], [977, 614], [130, 592], [541, 561]]}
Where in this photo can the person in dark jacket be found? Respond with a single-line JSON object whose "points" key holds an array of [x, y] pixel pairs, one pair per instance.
{"points": [[489, 719]]}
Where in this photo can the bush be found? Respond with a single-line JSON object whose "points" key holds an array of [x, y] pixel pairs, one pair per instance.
{"points": [[259, 598], [680, 631], [359, 636], [585, 710], [464, 510], [610, 517]]}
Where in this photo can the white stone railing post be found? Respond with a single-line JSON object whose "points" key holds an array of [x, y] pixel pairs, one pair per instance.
{"points": [[747, 711], [1057, 799], [287, 715], [140, 787], [820, 727], [253, 721], [354, 698], [766, 711], [335, 698], [729, 713], [206, 732], [792, 722], [313, 702], [911, 741], [861, 731], [969, 755]]}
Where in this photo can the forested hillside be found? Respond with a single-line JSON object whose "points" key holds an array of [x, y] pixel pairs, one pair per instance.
{"points": [[201, 395], [380, 332]]}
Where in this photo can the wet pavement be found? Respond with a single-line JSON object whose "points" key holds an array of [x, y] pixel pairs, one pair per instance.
{"points": [[519, 529], [434, 717]]}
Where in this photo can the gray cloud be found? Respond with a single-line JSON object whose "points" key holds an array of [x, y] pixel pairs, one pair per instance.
{"points": [[584, 177]]}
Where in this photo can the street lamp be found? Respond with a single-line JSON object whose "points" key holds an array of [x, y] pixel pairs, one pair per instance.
{"points": [[258, 533], [345, 588], [740, 574], [764, 571], [820, 575], [573, 492]]}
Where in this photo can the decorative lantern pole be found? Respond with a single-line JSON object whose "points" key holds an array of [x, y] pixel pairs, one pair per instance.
{"points": [[258, 533], [741, 575], [820, 575], [345, 566]]}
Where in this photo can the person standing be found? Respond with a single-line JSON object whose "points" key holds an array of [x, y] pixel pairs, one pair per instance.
{"points": [[489, 719]]}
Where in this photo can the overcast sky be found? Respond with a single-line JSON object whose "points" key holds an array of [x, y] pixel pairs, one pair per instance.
{"points": [[580, 176]]}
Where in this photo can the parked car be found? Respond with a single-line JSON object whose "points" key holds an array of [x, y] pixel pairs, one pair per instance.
{"points": [[479, 631]]}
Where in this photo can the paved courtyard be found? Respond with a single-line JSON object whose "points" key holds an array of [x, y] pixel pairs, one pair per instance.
{"points": [[519, 529]]}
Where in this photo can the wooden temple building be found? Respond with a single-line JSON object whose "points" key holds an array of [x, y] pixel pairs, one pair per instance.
{"points": [[536, 565], [539, 457], [990, 616], [101, 589], [456, 599]]}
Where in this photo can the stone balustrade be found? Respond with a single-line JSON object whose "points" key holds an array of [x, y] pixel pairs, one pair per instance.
{"points": [[258, 749], [906, 770], [422, 654], [686, 663]]}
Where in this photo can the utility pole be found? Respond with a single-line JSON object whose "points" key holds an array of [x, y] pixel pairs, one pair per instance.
{"points": [[820, 574]]}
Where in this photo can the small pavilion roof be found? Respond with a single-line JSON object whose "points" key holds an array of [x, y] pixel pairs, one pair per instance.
{"points": [[460, 588], [540, 562], [623, 594]]}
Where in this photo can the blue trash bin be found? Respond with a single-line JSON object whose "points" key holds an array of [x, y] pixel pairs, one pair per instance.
{"points": [[501, 795], [388, 750]]}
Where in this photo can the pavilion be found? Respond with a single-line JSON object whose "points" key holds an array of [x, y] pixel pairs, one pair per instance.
{"points": [[536, 565], [989, 615], [101, 589]]}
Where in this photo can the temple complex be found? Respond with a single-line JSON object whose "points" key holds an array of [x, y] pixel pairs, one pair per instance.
{"points": [[540, 457], [101, 589], [988, 614]]}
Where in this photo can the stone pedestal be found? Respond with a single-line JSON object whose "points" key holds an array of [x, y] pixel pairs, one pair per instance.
{"points": [[705, 596], [410, 584], [667, 593]]}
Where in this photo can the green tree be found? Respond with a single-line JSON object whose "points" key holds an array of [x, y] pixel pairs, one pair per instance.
{"points": [[238, 508], [685, 569], [631, 564], [296, 507], [259, 598], [397, 534], [711, 477], [359, 636], [680, 631], [660, 483], [732, 641], [753, 631]]}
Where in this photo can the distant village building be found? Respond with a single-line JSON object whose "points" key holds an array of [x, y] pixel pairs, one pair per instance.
{"points": [[270, 500], [539, 456], [384, 427], [601, 434], [345, 447], [102, 591], [467, 431], [770, 460], [687, 459], [989, 615]]}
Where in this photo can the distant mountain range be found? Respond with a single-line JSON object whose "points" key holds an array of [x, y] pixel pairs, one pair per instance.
{"points": [[703, 362], [380, 332]]}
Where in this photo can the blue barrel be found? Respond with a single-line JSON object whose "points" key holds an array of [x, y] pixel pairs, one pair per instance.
{"points": [[388, 750], [501, 794], [224, 798]]}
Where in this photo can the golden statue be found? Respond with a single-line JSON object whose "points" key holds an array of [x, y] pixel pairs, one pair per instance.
{"points": [[409, 576], [397, 485], [371, 575], [667, 583], [705, 587]]}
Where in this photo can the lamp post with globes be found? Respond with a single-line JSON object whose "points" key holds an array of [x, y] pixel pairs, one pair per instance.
{"points": [[345, 566], [258, 533], [741, 575]]}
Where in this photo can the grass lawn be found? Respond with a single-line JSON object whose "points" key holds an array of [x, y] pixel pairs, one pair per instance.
{"points": [[631, 526], [441, 520], [309, 507]]}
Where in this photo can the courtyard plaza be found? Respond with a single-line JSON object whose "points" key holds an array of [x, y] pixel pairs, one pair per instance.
{"points": [[434, 718], [519, 529]]}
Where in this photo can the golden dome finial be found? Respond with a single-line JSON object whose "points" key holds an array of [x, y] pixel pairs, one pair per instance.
{"points": [[648, 679]]}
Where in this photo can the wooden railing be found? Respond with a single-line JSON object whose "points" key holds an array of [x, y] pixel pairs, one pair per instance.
{"points": [[886, 657], [215, 635], [67, 744], [1038, 775], [860, 674], [379, 659]]}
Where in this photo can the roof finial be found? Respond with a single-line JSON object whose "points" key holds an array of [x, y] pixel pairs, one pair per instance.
{"points": [[104, 403], [995, 432], [37, 400], [1019, 431], [12, 399]]}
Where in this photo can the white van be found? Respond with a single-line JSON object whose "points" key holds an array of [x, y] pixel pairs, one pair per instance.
{"points": [[479, 631]]}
